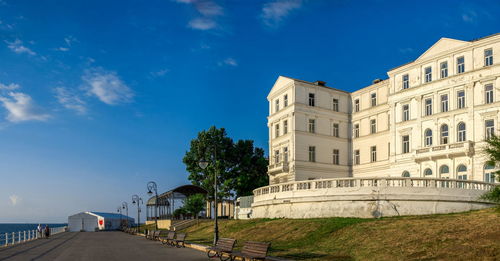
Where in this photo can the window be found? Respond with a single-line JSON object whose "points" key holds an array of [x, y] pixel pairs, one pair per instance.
{"points": [[427, 172], [373, 153], [444, 103], [374, 99], [460, 64], [285, 100], [336, 157], [428, 74], [356, 105], [428, 137], [405, 174], [428, 107], [444, 170], [489, 174], [312, 126], [406, 81], [312, 154], [406, 144], [285, 154], [276, 156], [277, 105], [461, 132], [356, 130], [444, 69], [461, 168], [285, 127], [336, 129], [277, 130], [311, 99], [461, 99], [462, 173], [373, 126], [406, 112], [488, 57], [444, 134], [335, 105], [356, 157], [488, 91], [490, 128]]}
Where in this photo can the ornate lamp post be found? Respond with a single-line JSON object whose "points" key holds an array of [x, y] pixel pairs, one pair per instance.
{"points": [[125, 206], [203, 165], [152, 186], [137, 200], [119, 210]]}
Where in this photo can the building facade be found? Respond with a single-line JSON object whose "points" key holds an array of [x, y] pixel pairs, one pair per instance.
{"points": [[428, 119]]}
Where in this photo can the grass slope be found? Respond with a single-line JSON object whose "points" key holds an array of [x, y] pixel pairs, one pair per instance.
{"points": [[472, 235]]}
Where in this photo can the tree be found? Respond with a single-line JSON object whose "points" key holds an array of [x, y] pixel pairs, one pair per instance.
{"points": [[214, 146], [493, 152], [250, 170], [194, 204], [240, 166]]}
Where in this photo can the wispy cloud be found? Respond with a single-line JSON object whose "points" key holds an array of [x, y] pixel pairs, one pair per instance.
{"points": [[21, 107], [14, 200], [9, 87], [70, 100], [160, 73], [106, 86], [208, 12], [229, 61], [18, 47], [69, 40], [273, 13], [62, 49]]}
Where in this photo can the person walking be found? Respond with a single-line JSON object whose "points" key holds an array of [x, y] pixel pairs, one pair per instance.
{"points": [[39, 231], [47, 231]]}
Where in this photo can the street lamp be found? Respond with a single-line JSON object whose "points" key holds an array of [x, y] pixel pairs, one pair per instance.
{"points": [[137, 200], [119, 209], [152, 186], [125, 206], [203, 165]]}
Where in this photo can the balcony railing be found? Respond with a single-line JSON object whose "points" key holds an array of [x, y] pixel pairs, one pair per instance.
{"points": [[374, 182], [278, 167], [428, 153]]}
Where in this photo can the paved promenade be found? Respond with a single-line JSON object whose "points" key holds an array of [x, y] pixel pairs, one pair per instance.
{"points": [[98, 246]]}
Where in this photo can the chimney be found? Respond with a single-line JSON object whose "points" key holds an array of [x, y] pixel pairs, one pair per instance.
{"points": [[320, 83], [376, 81]]}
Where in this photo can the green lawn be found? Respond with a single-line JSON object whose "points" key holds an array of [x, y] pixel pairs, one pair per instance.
{"points": [[464, 236]]}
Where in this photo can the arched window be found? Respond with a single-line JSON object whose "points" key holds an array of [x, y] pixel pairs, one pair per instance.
{"points": [[462, 172], [461, 134], [489, 173], [444, 169], [444, 134], [427, 172], [428, 137], [405, 174]]}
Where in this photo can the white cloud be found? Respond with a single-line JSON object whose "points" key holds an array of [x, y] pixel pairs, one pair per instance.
{"points": [[469, 17], [18, 47], [229, 61], [10, 87], [106, 86], [21, 107], [14, 199], [70, 40], [70, 100], [273, 13], [209, 8], [160, 73], [62, 49], [202, 24]]}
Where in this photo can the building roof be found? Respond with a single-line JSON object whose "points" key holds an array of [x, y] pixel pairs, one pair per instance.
{"points": [[109, 215], [178, 192]]}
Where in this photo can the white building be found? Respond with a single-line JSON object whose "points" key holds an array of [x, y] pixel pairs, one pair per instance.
{"points": [[96, 221], [428, 119]]}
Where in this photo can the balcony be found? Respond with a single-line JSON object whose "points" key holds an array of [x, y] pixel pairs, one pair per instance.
{"points": [[280, 167], [445, 151]]}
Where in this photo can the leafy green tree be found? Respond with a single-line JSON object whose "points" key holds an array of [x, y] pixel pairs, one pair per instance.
{"points": [[493, 152], [180, 212], [250, 169], [214, 146], [194, 204], [240, 166]]}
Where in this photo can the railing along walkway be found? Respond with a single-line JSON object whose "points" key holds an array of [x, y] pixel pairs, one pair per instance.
{"points": [[12, 238]]}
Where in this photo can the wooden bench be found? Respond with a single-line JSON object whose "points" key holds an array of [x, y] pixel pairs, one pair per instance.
{"points": [[151, 234], [224, 246], [252, 251], [179, 240], [169, 238]]}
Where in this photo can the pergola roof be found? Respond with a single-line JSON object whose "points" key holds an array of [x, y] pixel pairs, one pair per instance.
{"points": [[177, 193]]}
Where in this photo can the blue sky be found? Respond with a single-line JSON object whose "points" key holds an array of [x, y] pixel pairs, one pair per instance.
{"points": [[99, 97]]}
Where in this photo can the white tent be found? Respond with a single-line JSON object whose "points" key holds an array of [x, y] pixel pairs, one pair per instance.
{"points": [[95, 221]]}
